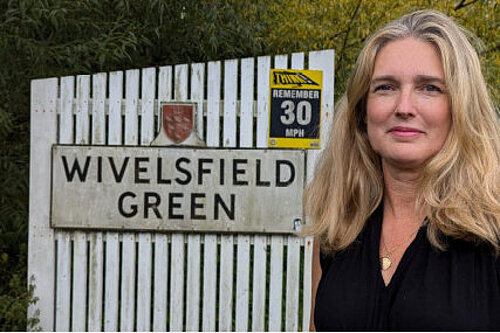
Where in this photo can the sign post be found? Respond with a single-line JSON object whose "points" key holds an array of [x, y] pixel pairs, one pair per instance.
{"points": [[295, 100]]}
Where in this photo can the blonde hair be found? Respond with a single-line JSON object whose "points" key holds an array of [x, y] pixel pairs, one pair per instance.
{"points": [[460, 184]]}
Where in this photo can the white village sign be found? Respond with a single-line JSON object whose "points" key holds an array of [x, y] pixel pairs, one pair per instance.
{"points": [[174, 188]]}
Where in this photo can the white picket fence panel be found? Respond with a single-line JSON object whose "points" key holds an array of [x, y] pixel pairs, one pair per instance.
{"points": [[145, 281]]}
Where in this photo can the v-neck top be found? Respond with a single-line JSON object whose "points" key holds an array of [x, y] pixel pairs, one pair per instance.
{"points": [[456, 289]]}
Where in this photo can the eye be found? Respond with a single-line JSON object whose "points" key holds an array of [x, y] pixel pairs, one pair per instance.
{"points": [[431, 87], [383, 87]]}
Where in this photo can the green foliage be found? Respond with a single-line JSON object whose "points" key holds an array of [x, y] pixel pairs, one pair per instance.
{"points": [[295, 25], [50, 38]]}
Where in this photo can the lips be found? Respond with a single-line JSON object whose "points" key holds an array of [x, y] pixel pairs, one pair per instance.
{"points": [[405, 132]]}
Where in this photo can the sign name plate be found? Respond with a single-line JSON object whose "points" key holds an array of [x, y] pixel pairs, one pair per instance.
{"points": [[177, 189]]}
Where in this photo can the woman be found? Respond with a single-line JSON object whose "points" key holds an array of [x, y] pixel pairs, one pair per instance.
{"points": [[405, 198]]}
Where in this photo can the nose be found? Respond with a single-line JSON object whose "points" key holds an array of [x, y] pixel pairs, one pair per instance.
{"points": [[405, 107]]}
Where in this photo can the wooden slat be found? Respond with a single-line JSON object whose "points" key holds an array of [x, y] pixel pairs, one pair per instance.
{"points": [[281, 61], [230, 96], [115, 107], [96, 248], [82, 109], [128, 274], [276, 276], [209, 282], [177, 264], [127, 308], [41, 243], [79, 306], [226, 284], [131, 104], [297, 60], [144, 269], [259, 283], [66, 133], [98, 109], [96, 266], [227, 242], [307, 282], [79, 287], [63, 278], [165, 84], [112, 265], [293, 254], [213, 103], [321, 60], [275, 283], [259, 269], [194, 246], [161, 265], [197, 94], [177, 283], [242, 283], [210, 240], [246, 140], [63, 281], [246, 102], [164, 89], [147, 105], [292, 283], [193, 284], [263, 66]]}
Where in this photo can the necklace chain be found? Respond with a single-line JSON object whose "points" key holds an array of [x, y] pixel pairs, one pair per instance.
{"points": [[385, 259]]}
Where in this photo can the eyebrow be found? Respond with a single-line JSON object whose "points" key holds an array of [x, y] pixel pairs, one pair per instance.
{"points": [[419, 78]]}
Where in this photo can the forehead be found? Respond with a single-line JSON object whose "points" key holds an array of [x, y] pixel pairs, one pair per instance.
{"points": [[408, 57]]}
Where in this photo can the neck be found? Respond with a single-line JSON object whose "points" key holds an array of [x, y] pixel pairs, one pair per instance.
{"points": [[400, 195]]}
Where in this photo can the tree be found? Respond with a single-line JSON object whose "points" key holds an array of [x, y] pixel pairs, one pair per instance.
{"points": [[295, 25]]}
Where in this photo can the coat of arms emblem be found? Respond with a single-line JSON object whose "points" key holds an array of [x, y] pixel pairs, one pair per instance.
{"points": [[177, 123]]}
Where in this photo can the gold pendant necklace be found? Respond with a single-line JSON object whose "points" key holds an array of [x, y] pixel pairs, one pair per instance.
{"points": [[385, 260]]}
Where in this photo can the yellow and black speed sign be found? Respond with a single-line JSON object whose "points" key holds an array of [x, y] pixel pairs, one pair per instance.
{"points": [[295, 108]]}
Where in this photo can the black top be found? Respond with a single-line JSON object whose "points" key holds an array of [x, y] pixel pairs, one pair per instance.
{"points": [[457, 289]]}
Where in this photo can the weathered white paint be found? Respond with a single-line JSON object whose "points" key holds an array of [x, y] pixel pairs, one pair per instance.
{"points": [[197, 94], [98, 109], [161, 271], [96, 266], [193, 283], [177, 283], [41, 238], [131, 105], [276, 275], [63, 266], [128, 276], [243, 249], [293, 256], [144, 269], [210, 240], [63, 281], [194, 241], [96, 247], [115, 108], [148, 84], [82, 109], [112, 266], [112, 283]]}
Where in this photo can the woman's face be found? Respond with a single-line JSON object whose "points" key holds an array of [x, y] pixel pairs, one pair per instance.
{"points": [[408, 112]]}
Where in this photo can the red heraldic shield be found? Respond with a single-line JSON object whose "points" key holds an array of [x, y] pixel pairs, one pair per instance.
{"points": [[178, 121]]}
